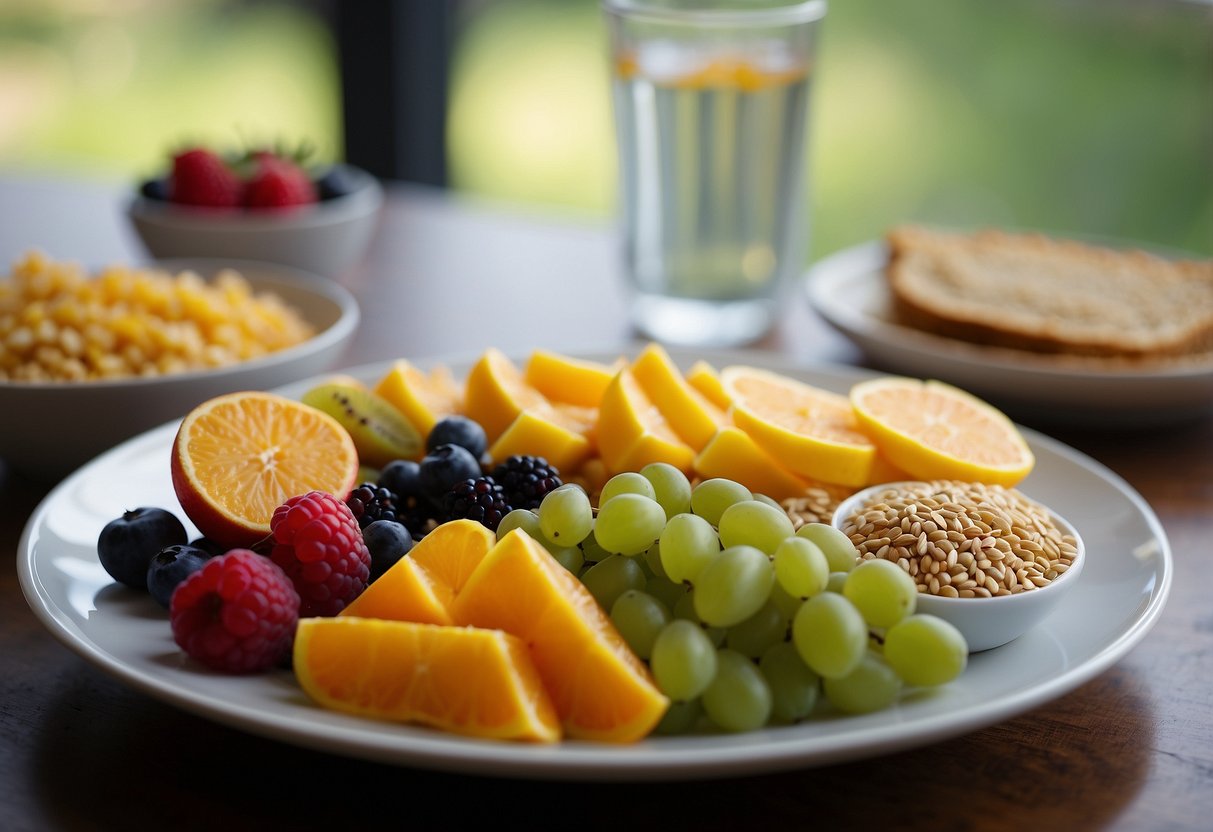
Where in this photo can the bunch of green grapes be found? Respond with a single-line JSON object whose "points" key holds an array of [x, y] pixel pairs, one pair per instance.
{"points": [[743, 620]]}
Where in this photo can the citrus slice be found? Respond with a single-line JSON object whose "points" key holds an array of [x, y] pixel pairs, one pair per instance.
{"points": [[562, 378], [239, 456], [704, 378], [692, 416], [601, 690], [481, 683], [732, 455], [813, 432], [632, 432], [422, 397], [495, 393], [450, 554], [547, 433], [933, 430], [405, 592]]}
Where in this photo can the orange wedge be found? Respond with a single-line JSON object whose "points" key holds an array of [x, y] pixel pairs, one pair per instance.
{"points": [[450, 554], [495, 393], [932, 430], [600, 689], [562, 378], [692, 416], [632, 432], [423, 398], [239, 456], [732, 455], [704, 378], [813, 432], [481, 683]]}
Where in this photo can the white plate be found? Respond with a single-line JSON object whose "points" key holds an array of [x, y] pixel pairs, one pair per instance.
{"points": [[1116, 601], [848, 290]]}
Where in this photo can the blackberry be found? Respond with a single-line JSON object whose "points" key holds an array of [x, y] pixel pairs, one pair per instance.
{"points": [[478, 499], [370, 502], [526, 480]]}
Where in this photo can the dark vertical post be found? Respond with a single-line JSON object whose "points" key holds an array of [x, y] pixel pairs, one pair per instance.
{"points": [[394, 59]]}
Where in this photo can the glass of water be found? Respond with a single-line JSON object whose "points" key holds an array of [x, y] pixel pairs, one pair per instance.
{"points": [[711, 110]]}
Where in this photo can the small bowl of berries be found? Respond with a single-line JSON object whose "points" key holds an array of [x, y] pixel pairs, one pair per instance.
{"points": [[261, 204]]}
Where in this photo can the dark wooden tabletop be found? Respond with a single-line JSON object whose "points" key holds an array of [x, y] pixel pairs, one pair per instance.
{"points": [[1130, 750]]}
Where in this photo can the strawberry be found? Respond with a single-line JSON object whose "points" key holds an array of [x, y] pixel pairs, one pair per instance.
{"points": [[278, 183], [201, 177]]}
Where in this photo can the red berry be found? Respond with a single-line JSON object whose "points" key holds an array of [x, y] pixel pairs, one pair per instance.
{"points": [[237, 613], [319, 545], [278, 183], [201, 177]]}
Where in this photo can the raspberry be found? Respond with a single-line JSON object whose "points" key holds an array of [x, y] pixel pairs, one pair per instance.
{"points": [[236, 614], [201, 177], [319, 545], [478, 499], [369, 502], [526, 480], [278, 183]]}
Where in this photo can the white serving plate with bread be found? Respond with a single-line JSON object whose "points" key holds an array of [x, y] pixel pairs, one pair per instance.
{"points": [[850, 291]]}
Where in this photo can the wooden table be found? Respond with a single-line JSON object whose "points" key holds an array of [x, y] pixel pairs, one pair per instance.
{"points": [[1130, 750]]}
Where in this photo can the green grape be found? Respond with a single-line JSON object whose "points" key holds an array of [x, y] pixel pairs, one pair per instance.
{"points": [[591, 550], [785, 602], [801, 567], [520, 518], [683, 660], [671, 487], [770, 501], [629, 482], [925, 650], [870, 686], [685, 610], [794, 687], [652, 559], [639, 617], [565, 516], [628, 524], [836, 582], [567, 556], [733, 586], [711, 497], [752, 523], [882, 591], [830, 635], [665, 591], [688, 543], [738, 698], [758, 632], [680, 717], [836, 546], [610, 578]]}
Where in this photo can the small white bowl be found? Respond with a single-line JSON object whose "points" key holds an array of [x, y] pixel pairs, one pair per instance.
{"points": [[325, 238], [987, 622], [47, 429]]}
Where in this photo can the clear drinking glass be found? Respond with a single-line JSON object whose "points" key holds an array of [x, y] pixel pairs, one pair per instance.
{"points": [[711, 110]]}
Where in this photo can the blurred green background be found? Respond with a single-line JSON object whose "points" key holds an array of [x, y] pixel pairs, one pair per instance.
{"points": [[1086, 117]]}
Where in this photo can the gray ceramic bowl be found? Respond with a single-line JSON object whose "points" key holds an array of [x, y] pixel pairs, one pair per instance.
{"points": [[49, 429], [325, 238], [987, 622]]}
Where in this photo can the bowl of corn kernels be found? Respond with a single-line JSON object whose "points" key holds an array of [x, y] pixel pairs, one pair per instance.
{"points": [[91, 358]]}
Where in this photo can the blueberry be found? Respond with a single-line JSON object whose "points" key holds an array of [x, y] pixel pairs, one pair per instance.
{"points": [[155, 189], [388, 541], [402, 478], [458, 430], [128, 543], [172, 565], [209, 546], [336, 182], [444, 466]]}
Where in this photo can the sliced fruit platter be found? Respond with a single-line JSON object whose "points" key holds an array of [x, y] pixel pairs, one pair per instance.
{"points": [[593, 550]]}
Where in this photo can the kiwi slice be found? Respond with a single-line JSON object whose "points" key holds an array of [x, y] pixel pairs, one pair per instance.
{"points": [[380, 431]]}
